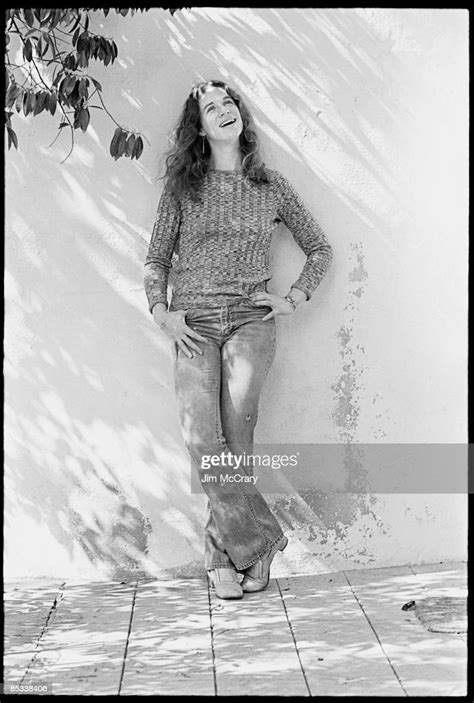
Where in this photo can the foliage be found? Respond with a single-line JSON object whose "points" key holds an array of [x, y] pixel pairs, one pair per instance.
{"points": [[56, 47]]}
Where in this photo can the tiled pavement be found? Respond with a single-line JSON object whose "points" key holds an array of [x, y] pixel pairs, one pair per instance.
{"points": [[334, 634]]}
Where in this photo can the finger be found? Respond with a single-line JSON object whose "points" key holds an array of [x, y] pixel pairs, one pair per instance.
{"points": [[259, 296], [184, 349], [262, 301], [268, 317], [191, 344], [192, 333]]}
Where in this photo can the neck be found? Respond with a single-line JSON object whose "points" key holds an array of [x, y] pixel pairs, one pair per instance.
{"points": [[226, 157]]}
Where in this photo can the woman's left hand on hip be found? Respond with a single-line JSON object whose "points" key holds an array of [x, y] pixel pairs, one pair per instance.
{"points": [[279, 305]]}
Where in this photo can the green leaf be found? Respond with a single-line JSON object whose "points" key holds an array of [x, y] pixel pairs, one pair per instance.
{"points": [[97, 84], [55, 18], [19, 100], [28, 102], [12, 138], [48, 43], [121, 144], [29, 17], [75, 36], [138, 147], [84, 119], [73, 18], [77, 113], [114, 142], [53, 100], [39, 102], [83, 61], [12, 93], [70, 62], [30, 32], [74, 97], [84, 42], [94, 46], [44, 16], [130, 145], [69, 84], [27, 50]]}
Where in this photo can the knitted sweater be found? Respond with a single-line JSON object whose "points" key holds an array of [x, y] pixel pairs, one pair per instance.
{"points": [[223, 241]]}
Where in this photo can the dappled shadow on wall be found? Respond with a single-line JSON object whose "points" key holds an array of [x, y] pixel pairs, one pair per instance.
{"points": [[94, 450]]}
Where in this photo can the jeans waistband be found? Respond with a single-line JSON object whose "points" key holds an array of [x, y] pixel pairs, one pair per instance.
{"points": [[218, 301]]}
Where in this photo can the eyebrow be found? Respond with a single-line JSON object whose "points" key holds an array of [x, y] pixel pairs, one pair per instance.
{"points": [[227, 97]]}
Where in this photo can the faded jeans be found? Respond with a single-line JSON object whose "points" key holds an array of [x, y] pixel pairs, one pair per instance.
{"points": [[217, 395]]}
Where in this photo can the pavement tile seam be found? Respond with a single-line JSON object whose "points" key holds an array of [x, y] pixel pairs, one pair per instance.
{"points": [[124, 661], [36, 645], [294, 639], [376, 635]]}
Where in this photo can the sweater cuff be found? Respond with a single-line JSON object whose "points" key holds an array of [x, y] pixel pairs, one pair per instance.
{"points": [[153, 299], [301, 286]]}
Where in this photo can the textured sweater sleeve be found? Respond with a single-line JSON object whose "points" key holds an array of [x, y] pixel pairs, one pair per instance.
{"points": [[306, 232], [160, 251]]}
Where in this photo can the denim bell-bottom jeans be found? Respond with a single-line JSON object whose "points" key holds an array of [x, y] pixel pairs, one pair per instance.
{"points": [[217, 395]]}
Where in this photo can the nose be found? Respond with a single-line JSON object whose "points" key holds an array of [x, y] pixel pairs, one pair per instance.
{"points": [[224, 110]]}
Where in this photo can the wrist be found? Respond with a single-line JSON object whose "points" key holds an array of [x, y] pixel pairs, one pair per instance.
{"points": [[159, 315], [292, 301], [298, 295]]}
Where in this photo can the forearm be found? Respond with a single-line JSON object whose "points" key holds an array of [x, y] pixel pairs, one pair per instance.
{"points": [[156, 283], [160, 251], [317, 263], [309, 236]]}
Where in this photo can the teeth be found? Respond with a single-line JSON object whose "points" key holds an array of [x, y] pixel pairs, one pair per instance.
{"points": [[224, 124]]}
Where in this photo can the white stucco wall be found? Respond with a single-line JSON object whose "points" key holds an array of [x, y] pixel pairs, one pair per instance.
{"points": [[365, 111]]}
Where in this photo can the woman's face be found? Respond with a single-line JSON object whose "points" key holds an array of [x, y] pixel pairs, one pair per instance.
{"points": [[220, 116]]}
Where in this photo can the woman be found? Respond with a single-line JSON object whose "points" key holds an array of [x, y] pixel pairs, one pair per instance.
{"points": [[218, 208]]}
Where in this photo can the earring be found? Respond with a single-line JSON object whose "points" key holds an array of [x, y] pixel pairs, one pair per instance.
{"points": [[203, 144]]}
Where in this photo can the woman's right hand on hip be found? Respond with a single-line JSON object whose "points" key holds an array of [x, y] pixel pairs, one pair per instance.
{"points": [[175, 327]]}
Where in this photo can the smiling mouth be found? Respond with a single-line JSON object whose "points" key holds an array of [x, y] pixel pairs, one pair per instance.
{"points": [[228, 122]]}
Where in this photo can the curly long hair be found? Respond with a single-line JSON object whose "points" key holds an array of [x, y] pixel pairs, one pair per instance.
{"points": [[188, 160]]}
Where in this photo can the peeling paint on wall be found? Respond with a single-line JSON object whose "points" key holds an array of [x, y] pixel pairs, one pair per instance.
{"points": [[347, 387], [353, 509], [342, 524]]}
